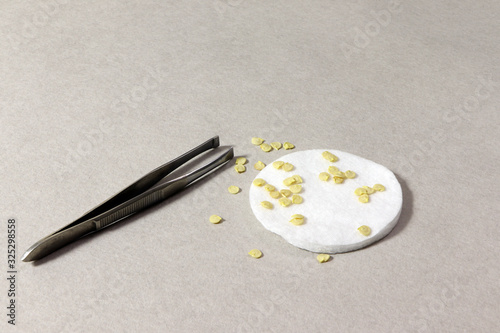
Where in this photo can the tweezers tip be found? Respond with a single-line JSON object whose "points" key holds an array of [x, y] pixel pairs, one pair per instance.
{"points": [[215, 141], [25, 256]]}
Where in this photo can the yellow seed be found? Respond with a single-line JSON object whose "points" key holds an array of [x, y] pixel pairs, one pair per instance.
{"points": [[233, 189], [338, 180], [329, 156], [275, 194], [296, 188], [369, 190], [324, 176], [259, 165], [332, 169], [288, 167], [266, 147], [278, 164], [298, 179], [285, 202], [257, 141], [323, 257], [365, 230], [269, 187], [286, 193], [364, 198], [255, 253], [276, 145], [339, 174], [359, 191], [350, 174], [297, 221], [259, 182], [289, 181], [266, 205], [379, 187], [240, 168], [241, 160], [215, 219], [288, 145], [297, 199]]}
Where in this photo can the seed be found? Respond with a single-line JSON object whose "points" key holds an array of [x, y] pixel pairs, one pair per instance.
{"points": [[339, 174], [297, 199], [338, 180], [286, 193], [324, 176], [289, 181], [329, 156], [297, 220], [296, 188], [266, 147], [241, 160], [364, 198], [359, 191], [240, 168], [259, 165], [276, 145], [267, 204], [255, 253], [233, 189], [275, 194], [257, 141], [322, 257], [365, 230], [269, 187], [215, 219], [350, 174], [332, 169], [285, 202], [278, 164]]}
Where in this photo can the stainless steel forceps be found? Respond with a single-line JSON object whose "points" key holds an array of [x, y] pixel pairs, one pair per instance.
{"points": [[140, 195]]}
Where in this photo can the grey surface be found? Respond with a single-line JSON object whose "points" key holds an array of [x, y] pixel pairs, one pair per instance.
{"points": [[93, 95]]}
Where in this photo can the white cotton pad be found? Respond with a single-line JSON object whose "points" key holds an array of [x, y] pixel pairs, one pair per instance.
{"points": [[332, 211]]}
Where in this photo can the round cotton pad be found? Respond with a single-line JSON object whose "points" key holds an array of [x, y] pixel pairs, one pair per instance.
{"points": [[332, 212]]}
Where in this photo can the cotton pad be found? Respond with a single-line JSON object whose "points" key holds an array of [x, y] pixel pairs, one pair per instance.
{"points": [[332, 211]]}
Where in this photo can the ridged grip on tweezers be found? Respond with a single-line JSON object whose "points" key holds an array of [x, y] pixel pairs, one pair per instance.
{"points": [[132, 208]]}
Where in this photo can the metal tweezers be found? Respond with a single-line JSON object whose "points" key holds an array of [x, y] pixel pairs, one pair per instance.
{"points": [[144, 193]]}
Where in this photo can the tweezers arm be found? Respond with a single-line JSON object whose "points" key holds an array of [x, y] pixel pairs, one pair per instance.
{"points": [[56, 241]]}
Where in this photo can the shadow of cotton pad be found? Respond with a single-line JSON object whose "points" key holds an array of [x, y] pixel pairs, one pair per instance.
{"points": [[332, 211]]}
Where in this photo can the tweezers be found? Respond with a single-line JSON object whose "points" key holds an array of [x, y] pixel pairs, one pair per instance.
{"points": [[142, 194]]}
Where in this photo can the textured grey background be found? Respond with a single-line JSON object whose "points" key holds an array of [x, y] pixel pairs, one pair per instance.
{"points": [[93, 95]]}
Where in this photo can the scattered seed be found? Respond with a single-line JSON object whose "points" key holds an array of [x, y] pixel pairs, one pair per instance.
{"points": [[259, 165], [215, 219], [233, 189], [255, 253]]}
